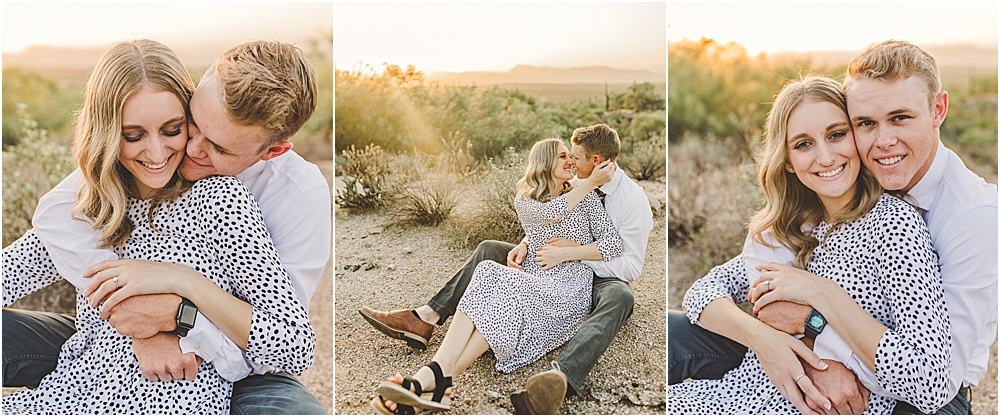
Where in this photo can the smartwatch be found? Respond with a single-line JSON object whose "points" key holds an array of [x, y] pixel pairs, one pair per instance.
{"points": [[187, 312], [814, 324]]}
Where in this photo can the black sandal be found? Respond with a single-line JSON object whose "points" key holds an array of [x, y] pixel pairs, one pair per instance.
{"points": [[403, 396]]}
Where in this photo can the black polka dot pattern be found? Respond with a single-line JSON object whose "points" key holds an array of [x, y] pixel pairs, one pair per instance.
{"points": [[215, 228], [886, 263], [526, 313]]}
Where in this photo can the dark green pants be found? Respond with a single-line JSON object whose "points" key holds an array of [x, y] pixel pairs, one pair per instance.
{"points": [[611, 306]]}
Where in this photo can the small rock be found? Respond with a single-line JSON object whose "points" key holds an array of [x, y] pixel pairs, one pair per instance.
{"points": [[391, 267], [605, 397], [376, 231], [352, 267], [407, 250], [493, 395], [370, 266]]}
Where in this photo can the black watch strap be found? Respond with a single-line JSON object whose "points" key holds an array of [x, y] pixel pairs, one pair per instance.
{"points": [[187, 312], [815, 324]]}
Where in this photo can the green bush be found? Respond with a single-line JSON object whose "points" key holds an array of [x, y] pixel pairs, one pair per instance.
{"points": [[366, 178], [30, 169], [495, 217]]}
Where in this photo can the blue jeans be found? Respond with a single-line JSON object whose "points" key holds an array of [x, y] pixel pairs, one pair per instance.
{"points": [[32, 340], [693, 352]]}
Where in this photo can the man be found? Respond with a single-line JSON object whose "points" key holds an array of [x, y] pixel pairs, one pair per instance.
{"points": [[233, 131], [628, 208], [896, 107]]}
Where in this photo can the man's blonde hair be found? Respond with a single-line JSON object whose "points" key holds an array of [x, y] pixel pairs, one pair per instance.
{"points": [[895, 60], [267, 84], [598, 140]]}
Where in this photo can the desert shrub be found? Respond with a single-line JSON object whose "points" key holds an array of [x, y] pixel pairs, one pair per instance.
{"points": [[712, 194], [647, 162], [366, 178], [494, 217], [428, 202], [30, 169]]}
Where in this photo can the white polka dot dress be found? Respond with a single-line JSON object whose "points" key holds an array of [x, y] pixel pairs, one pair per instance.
{"points": [[886, 263], [215, 228], [526, 313]]}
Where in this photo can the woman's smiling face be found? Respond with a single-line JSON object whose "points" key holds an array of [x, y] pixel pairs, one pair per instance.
{"points": [[822, 152], [154, 134]]}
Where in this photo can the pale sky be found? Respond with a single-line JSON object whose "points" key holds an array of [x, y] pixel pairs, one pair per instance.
{"points": [[178, 23], [840, 26], [497, 36]]}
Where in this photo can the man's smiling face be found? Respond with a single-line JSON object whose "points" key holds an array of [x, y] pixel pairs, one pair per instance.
{"points": [[895, 128]]}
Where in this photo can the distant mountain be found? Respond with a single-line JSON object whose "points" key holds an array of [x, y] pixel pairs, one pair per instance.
{"points": [[528, 74]]}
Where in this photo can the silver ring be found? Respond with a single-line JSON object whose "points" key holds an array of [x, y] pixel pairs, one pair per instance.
{"points": [[115, 279], [799, 377], [766, 284]]}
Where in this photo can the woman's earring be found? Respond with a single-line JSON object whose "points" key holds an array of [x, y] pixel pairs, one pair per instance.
{"points": [[790, 171]]}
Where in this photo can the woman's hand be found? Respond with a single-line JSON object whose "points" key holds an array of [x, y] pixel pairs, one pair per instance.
{"points": [[114, 281], [778, 355], [549, 256], [601, 174], [782, 282]]}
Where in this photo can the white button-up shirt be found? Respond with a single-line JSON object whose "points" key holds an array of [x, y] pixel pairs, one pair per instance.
{"points": [[629, 211], [294, 199], [960, 209]]}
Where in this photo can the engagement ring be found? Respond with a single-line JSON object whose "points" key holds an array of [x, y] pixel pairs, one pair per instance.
{"points": [[799, 377], [115, 279]]}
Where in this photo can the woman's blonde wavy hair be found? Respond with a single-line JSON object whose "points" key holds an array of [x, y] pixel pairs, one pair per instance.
{"points": [[122, 71], [538, 182], [789, 204]]}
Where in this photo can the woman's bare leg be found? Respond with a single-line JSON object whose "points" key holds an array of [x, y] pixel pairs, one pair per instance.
{"points": [[476, 347]]}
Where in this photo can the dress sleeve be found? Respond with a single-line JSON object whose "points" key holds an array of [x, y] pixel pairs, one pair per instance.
{"points": [[606, 238], [280, 332], [27, 268], [533, 213], [913, 358], [728, 280]]}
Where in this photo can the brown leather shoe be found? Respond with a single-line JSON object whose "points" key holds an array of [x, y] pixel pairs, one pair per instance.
{"points": [[400, 324], [542, 394]]}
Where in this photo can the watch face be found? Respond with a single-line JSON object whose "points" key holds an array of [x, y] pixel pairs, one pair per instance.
{"points": [[187, 315], [816, 321]]}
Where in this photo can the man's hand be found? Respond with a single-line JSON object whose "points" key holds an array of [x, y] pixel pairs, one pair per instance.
{"points": [[785, 316], [841, 386], [516, 255], [160, 358], [144, 316]]}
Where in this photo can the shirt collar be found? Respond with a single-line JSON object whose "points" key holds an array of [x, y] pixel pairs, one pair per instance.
{"points": [[925, 191], [616, 180], [252, 172]]}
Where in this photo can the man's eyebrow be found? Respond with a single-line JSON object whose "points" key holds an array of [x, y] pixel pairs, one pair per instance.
{"points": [[217, 146], [859, 118]]}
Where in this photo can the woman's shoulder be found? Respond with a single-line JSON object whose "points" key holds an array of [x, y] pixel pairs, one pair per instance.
{"points": [[219, 188], [889, 206]]}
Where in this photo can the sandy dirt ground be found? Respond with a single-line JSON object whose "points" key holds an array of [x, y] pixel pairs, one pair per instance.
{"points": [[387, 267]]}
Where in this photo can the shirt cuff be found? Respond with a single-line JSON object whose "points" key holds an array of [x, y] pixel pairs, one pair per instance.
{"points": [[830, 345], [209, 343]]}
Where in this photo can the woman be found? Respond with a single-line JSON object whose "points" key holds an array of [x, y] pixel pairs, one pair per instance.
{"points": [[130, 138], [521, 314], [823, 205]]}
